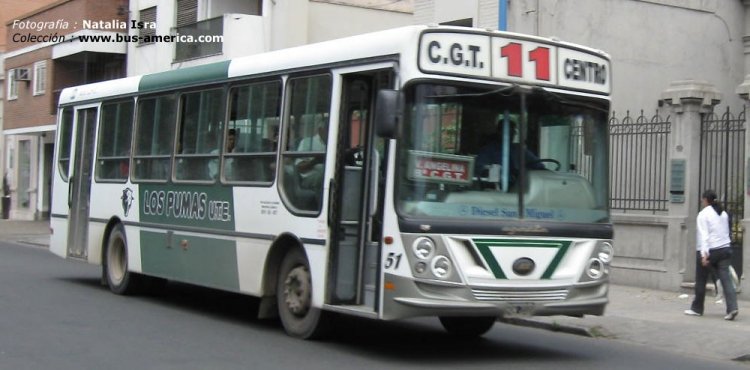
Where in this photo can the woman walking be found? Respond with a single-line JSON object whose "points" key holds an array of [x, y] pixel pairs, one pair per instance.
{"points": [[713, 253]]}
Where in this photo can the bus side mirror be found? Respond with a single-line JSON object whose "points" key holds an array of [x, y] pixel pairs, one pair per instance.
{"points": [[388, 112]]}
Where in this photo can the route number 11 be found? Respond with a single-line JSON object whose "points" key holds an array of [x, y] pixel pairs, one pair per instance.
{"points": [[540, 56]]}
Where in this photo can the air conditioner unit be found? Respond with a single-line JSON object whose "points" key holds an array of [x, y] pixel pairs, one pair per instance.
{"points": [[21, 74]]}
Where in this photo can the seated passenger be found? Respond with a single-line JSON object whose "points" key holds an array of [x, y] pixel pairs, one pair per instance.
{"points": [[213, 164], [311, 168], [492, 153]]}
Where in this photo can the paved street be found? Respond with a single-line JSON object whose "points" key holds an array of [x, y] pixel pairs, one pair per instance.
{"points": [[55, 315]]}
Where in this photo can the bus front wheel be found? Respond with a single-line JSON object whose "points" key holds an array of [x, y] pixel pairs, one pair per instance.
{"points": [[468, 327], [294, 298], [119, 279]]}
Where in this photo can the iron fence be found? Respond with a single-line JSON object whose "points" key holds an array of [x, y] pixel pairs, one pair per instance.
{"points": [[722, 165], [639, 150]]}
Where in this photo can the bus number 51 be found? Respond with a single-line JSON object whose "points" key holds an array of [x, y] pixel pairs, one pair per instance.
{"points": [[393, 260]]}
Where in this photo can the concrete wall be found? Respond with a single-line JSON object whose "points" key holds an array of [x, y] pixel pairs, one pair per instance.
{"points": [[329, 21], [651, 250]]}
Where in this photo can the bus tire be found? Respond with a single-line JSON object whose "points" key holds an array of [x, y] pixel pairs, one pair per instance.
{"points": [[119, 279], [468, 327], [294, 298]]}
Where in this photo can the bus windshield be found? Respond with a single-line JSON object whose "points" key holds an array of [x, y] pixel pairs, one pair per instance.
{"points": [[502, 153]]}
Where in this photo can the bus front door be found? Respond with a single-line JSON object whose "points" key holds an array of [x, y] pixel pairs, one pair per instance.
{"points": [[80, 183], [355, 211]]}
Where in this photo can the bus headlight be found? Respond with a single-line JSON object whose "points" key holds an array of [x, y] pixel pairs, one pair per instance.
{"points": [[441, 267], [595, 268], [606, 252], [420, 267], [423, 248]]}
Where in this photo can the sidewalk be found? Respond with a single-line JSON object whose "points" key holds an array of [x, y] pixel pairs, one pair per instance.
{"points": [[637, 315], [27, 232], [655, 318]]}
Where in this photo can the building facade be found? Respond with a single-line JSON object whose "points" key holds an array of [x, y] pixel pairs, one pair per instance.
{"points": [[11, 10], [215, 30], [46, 51]]}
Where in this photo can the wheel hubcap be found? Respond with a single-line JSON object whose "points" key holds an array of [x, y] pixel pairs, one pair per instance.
{"points": [[116, 265], [297, 291]]}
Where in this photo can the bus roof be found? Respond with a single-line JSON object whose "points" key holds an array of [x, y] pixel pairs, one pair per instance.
{"points": [[391, 43]]}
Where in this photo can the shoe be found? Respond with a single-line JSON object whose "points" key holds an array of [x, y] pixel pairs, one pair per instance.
{"points": [[693, 313], [730, 316]]}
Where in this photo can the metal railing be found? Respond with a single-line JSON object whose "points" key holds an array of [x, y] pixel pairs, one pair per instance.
{"points": [[722, 159], [199, 31], [639, 150]]}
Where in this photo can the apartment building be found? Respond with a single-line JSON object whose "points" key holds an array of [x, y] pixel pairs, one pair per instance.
{"points": [[191, 32], [46, 51], [11, 10]]}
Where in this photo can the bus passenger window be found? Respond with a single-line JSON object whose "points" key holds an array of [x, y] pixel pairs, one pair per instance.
{"points": [[154, 138], [113, 157], [306, 141], [254, 121], [198, 138], [66, 135]]}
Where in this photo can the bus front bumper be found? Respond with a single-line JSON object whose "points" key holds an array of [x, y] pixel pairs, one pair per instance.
{"points": [[409, 298]]}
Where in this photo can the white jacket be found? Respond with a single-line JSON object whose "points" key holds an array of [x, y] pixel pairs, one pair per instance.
{"points": [[713, 230]]}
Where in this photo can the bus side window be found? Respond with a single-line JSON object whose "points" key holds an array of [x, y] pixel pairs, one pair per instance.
{"points": [[116, 129], [306, 141], [66, 135], [254, 119], [154, 138], [197, 157]]}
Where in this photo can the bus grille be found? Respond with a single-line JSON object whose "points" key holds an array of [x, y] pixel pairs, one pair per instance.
{"points": [[516, 295]]}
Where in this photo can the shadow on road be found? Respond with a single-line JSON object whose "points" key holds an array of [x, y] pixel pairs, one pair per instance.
{"points": [[420, 340]]}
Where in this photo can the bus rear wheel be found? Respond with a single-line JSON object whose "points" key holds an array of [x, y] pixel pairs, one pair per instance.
{"points": [[294, 298], [119, 279], [468, 327]]}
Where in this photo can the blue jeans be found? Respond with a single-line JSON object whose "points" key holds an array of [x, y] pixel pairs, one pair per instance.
{"points": [[719, 261]]}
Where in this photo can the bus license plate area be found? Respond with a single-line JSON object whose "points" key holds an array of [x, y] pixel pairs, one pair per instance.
{"points": [[520, 309]]}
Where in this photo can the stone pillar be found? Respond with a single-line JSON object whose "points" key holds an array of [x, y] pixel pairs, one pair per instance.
{"points": [[746, 37], [688, 101], [744, 92]]}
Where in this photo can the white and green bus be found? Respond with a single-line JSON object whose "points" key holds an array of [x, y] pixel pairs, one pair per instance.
{"points": [[419, 171]]}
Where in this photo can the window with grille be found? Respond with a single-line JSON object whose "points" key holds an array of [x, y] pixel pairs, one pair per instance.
{"points": [[40, 77], [147, 16]]}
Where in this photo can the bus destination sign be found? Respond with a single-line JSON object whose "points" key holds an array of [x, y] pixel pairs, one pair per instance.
{"points": [[513, 60], [438, 167]]}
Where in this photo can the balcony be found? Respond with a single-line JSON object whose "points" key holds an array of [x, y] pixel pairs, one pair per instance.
{"points": [[201, 39]]}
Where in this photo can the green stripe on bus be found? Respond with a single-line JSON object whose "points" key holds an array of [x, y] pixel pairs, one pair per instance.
{"points": [[484, 248], [192, 259], [556, 261], [184, 76]]}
